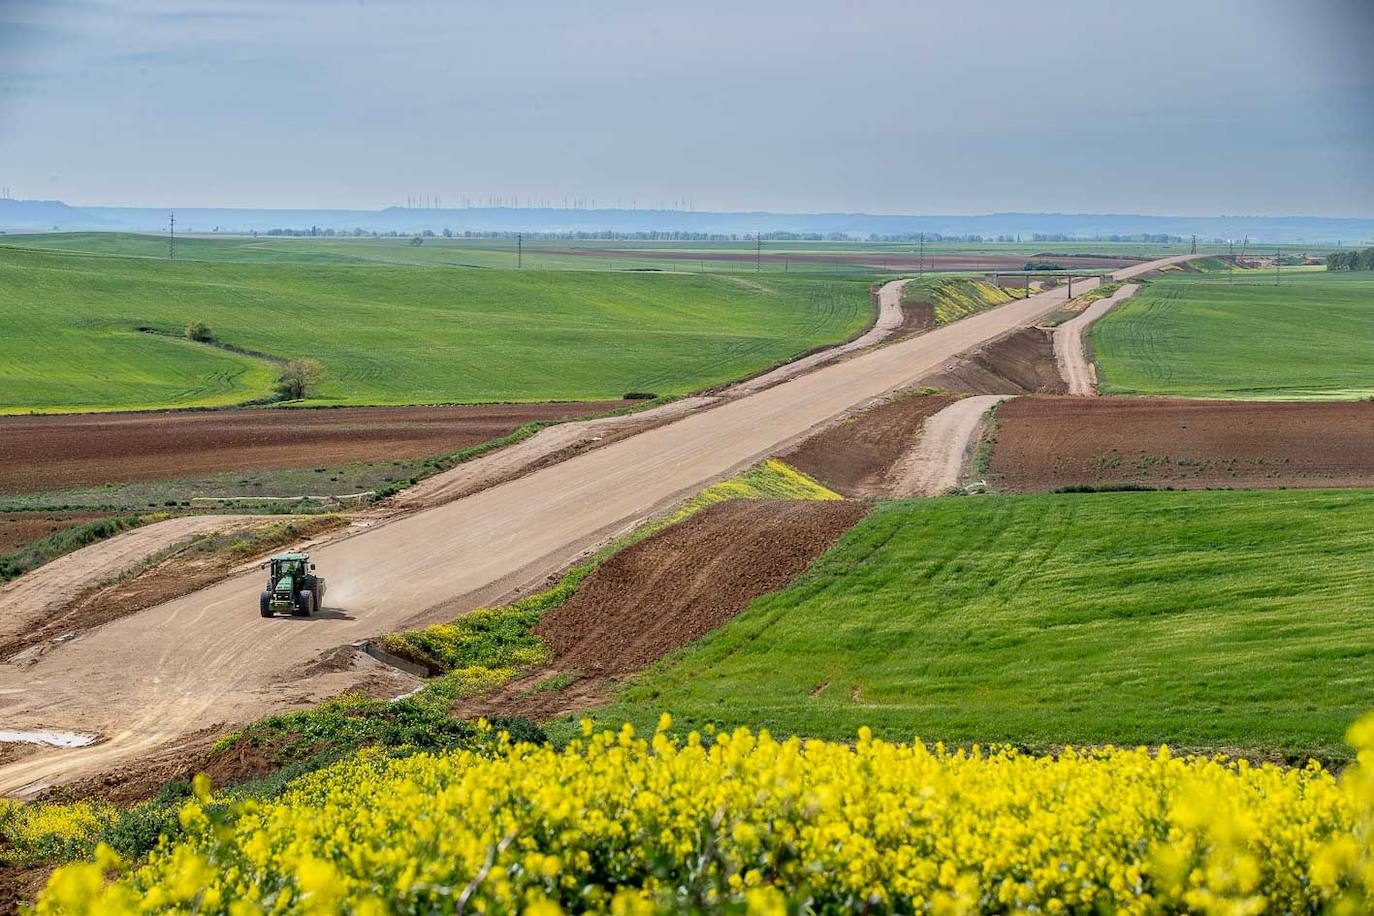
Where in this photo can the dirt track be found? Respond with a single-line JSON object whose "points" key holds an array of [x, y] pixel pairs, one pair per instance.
{"points": [[1046, 443], [1071, 353], [55, 452], [146, 679], [936, 463]]}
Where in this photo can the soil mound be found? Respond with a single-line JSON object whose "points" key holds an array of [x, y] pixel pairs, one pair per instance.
{"points": [[1047, 443], [857, 456], [1018, 363]]}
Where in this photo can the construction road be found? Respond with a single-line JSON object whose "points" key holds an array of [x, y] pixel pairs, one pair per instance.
{"points": [[209, 658]]}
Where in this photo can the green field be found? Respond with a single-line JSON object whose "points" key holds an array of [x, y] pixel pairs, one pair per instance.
{"points": [[1205, 620], [391, 335], [1310, 338], [501, 253]]}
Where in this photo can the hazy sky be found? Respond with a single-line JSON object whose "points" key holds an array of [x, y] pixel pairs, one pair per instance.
{"points": [[1167, 106]]}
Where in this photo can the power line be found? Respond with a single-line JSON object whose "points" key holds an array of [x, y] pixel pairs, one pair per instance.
{"points": [[171, 236]]}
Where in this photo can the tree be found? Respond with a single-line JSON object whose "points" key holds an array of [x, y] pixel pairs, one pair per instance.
{"points": [[298, 379], [199, 330]]}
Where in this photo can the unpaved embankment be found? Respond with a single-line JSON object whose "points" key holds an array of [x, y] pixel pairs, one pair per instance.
{"points": [[935, 465], [1070, 351]]}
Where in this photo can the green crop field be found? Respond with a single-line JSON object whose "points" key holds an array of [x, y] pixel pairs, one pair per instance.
{"points": [[557, 254], [69, 337], [1310, 338], [1206, 620]]}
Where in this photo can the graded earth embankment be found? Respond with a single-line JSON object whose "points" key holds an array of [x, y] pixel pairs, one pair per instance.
{"points": [[55, 452], [1047, 443], [856, 456], [1021, 362], [688, 580], [665, 592]]}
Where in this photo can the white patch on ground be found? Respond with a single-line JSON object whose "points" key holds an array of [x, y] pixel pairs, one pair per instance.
{"points": [[49, 738]]}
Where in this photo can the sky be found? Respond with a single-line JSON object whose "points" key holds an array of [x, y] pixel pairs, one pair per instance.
{"points": [[1181, 107]]}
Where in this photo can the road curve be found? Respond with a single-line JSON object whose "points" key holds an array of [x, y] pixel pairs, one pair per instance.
{"points": [[1078, 371], [209, 658]]}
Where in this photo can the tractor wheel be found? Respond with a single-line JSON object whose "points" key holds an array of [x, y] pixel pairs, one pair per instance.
{"points": [[305, 605], [265, 605]]}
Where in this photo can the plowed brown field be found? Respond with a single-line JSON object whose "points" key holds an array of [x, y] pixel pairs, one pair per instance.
{"points": [[1047, 443], [54, 452]]}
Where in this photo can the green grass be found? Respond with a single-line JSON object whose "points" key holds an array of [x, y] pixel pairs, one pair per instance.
{"points": [[391, 335], [1205, 620], [1310, 338], [501, 253]]}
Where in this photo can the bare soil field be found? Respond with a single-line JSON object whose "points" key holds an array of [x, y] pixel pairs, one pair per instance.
{"points": [[667, 591], [1047, 443], [20, 528], [882, 260], [1018, 363], [857, 456], [54, 452]]}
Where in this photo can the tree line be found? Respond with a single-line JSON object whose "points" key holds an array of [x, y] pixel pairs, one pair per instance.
{"points": [[1351, 260]]}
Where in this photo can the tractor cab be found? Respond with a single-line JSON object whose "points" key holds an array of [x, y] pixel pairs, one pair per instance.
{"points": [[292, 586]]}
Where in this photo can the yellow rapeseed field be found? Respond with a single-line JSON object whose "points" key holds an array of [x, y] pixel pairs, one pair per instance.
{"points": [[746, 822]]}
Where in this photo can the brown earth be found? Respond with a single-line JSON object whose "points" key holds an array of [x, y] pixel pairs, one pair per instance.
{"points": [[20, 528], [856, 456], [917, 317], [883, 260], [54, 452], [1021, 362], [668, 591], [1046, 443]]}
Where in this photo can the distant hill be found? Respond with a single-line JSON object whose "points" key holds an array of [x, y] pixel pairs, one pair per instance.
{"points": [[29, 215]]}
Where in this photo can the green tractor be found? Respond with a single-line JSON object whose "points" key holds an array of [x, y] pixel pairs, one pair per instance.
{"points": [[291, 586]]}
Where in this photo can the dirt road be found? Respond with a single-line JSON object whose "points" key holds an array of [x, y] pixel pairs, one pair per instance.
{"points": [[149, 678], [937, 461], [1074, 364]]}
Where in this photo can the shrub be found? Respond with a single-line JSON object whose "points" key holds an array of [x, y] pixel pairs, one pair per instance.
{"points": [[199, 331], [299, 378]]}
